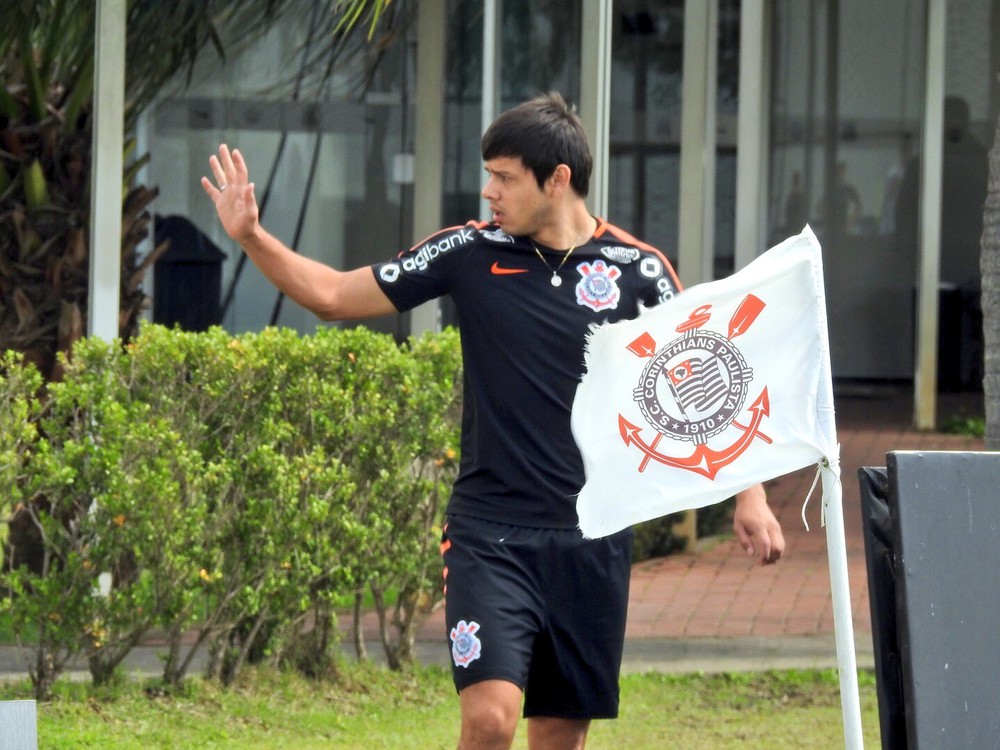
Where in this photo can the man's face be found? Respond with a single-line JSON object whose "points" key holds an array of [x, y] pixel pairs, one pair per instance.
{"points": [[518, 205]]}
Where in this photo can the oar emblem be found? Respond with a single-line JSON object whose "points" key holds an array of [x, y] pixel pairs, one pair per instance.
{"points": [[693, 389]]}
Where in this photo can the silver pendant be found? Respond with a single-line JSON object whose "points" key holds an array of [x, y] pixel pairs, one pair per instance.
{"points": [[556, 281]]}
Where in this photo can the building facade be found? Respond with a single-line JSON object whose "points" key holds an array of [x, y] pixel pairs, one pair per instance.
{"points": [[720, 127]]}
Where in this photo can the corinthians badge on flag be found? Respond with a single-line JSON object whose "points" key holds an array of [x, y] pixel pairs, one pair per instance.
{"points": [[725, 385], [693, 389]]}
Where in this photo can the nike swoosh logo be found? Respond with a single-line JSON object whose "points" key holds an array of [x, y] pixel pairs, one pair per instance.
{"points": [[496, 270]]}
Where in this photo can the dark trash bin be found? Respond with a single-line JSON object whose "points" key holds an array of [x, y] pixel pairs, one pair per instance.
{"points": [[187, 279], [881, 567], [932, 546]]}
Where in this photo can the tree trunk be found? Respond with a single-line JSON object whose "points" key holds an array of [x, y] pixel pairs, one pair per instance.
{"points": [[233, 660], [44, 675], [990, 264], [360, 650]]}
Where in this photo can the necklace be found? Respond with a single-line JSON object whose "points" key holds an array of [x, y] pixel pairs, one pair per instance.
{"points": [[555, 280]]}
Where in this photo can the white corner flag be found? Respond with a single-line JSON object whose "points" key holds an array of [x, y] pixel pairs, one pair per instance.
{"points": [[721, 387]]}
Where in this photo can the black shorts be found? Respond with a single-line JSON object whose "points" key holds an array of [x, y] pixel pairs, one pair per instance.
{"points": [[542, 608]]}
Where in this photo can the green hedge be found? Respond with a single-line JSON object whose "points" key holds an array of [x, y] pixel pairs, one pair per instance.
{"points": [[229, 489], [230, 493]]}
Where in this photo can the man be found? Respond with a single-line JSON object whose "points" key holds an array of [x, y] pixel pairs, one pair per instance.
{"points": [[534, 612]]}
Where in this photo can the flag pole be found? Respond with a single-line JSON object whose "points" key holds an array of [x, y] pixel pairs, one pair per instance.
{"points": [[833, 515], [842, 622]]}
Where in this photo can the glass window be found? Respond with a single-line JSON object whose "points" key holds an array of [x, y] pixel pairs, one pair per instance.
{"points": [[846, 113], [647, 81], [846, 106], [321, 152]]}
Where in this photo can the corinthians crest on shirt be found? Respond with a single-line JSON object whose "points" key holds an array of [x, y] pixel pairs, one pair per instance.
{"points": [[598, 287], [694, 389]]}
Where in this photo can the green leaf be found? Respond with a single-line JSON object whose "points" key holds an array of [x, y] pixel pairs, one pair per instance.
{"points": [[36, 189], [33, 82]]}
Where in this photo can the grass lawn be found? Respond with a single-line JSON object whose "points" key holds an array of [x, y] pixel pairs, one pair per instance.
{"points": [[368, 707]]}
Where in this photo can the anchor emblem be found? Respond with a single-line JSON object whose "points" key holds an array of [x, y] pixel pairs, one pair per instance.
{"points": [[693, 389]]}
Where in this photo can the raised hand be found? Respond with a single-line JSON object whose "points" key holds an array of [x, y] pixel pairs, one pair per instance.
{"points": [[232, 193]]}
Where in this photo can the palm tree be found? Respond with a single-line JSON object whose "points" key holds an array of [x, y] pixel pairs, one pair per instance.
{"points": [[46, 114], [990, 263]]}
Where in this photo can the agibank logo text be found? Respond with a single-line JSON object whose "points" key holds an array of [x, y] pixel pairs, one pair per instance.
{"points": [[419, 260]]}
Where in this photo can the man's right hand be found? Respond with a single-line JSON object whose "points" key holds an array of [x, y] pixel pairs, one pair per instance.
{"points": [[232, 194], [329, 293]]}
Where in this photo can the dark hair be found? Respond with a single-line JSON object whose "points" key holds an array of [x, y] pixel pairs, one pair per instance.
{"points": [[544, 132]]}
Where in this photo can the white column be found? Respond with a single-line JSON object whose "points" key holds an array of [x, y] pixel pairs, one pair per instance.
{"points": [[106, 169], [697, 191], [428, 159], [490, 106], [929, 243], [752, 132], [595, 96]]}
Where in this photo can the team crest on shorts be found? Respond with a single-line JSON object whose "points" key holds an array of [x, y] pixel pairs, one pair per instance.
{"points": [[465, 645], [693, 389], [598, 287]]}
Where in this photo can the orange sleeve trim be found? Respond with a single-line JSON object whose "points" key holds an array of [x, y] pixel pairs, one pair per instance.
{"points": [[603, 226]]}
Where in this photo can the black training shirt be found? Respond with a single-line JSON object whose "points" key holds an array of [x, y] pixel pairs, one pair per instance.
{"points": [[522, 348]]}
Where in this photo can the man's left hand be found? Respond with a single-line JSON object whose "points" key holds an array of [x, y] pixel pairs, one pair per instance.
{"points": [[756, 526]]}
